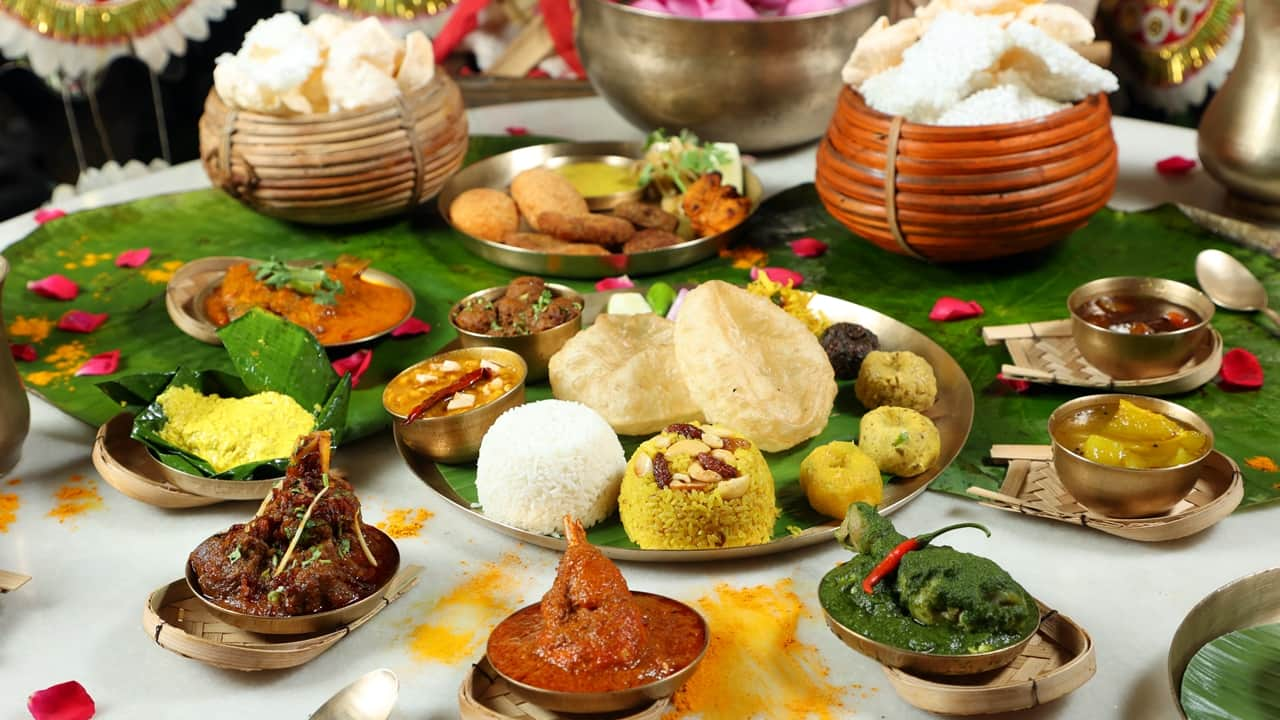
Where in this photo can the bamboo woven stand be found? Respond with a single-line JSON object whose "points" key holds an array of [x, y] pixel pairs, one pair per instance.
{"points": [[1045, 353], [125, 465], [10, 581], [486, 696], [1031, 487]]}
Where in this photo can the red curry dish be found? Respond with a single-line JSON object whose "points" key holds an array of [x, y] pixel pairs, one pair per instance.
{"points": [[591, 633], [306, 551]]}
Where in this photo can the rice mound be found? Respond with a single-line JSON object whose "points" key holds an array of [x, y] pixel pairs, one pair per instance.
{"points": [[541, 461]]}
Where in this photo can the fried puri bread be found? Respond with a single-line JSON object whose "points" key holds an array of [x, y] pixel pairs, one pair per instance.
{"points": [[712, 207], [540, 190], [548, 244], [594, 229], [485, 213], [646, 216], [646, 240]]}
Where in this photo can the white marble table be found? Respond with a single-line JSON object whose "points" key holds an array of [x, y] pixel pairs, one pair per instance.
{"points": [[79, 618]]}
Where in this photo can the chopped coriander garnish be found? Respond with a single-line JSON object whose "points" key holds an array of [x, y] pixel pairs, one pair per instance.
{"points": [[276, 595], [902, 438], [234, 555], [315, 555], [344, 547], [310, 280]]}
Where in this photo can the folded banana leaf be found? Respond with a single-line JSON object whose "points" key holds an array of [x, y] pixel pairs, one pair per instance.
{"points": [[1235, 677], [270, 354]]}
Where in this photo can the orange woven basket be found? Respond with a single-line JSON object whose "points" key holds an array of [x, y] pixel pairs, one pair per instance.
{"points": [[954, 194]]}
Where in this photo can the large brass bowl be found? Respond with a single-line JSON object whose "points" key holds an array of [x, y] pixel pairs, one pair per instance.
{"points": [[764, 84], [1125, 492], [456, 438], [536, 348], [1136, 357]]}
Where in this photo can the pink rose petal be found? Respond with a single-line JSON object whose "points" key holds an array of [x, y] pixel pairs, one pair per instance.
{"points": [[354, 365], [517, 130], [412, 326], [807, 247], [1015, 384], [133, 258], [80, 321], [780, 275], [44, 215], [55, 287], [949, 308], [101, 364], [22, 351], [622, 282], [685, 8], [806, 7], [728, 10], [1175, 166], [651, 5], [1241, 369], [64, 701]]}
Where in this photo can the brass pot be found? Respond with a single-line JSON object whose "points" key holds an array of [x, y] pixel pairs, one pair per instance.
{"points": [[764, 84], [535, 348], [15, 411], [1125, 492], [1136, 357]]}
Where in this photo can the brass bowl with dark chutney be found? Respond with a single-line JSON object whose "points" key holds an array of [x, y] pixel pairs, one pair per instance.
{"points": [[1124, 356], [535, 348]]}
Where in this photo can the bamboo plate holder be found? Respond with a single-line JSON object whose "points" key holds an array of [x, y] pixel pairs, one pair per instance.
{"points": [[486, 696], [1059, 659], [953, 194], [337, 168], [10, 581], [1031, 487], [180, 623], [126, 465], [1045, 353]]}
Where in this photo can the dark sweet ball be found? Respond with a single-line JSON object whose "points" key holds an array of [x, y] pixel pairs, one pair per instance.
{"points": [[847, 344]]}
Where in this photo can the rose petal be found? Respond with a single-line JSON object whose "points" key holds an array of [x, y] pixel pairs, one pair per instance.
{"points": [[807, 247], [538, 73], [412, 326], [780, 275], [651, 5], [517, 130], [44, 215], [55, 287], [675, 306], [1241, 369], [728, 10], [133, 258], [1015, 384], [622, 282], [81, 321], [64, 701], [1175, 165], [685, 8], [25, 352], [949, 308], [101, 364], [354, 365], [805, 7]]}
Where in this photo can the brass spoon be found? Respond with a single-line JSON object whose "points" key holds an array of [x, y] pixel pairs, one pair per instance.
{"points": [[1230, 284], [371, 697]]}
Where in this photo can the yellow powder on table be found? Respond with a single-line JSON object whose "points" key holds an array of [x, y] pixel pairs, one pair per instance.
{"points": [[405, 522], [162, 274], [755, 666], [1263, 463], [461, 620], [74, 498], [65, 360], [34, 329], [8, 510], [14, 481], [229, 432], [745, 257]]}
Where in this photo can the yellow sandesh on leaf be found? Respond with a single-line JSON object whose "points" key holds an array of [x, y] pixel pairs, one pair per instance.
{"points": [[1139, 438], [794, 302]]}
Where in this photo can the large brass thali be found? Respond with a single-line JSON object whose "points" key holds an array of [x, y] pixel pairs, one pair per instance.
{"points": [[799, 526]]}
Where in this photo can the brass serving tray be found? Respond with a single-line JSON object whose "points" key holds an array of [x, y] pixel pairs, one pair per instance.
{"points": [[498, 171], [952, 413]]}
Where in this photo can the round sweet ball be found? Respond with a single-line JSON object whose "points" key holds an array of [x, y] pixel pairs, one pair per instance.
{"points": [[902, 379], [900, 441], [837, 475], [547, 459]]}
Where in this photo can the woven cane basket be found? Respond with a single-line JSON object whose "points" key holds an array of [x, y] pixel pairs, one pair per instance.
{"points": [[343, 167]]}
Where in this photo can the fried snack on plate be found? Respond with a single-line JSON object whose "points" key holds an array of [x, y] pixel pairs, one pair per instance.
{"points": [[902, 442], [541, 190], [485, 213], [751, 366], [646, 216], [899, 378], [624, 367], [713, 208], [593, 229], [651, 240], [548, 244]]}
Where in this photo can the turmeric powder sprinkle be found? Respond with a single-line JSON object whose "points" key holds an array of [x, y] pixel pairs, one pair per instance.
{"points": [[745, 257], [405, 522], [75, 497], [65, 360], [8, 510], [462, 618], [34, 329], [1263, 463], [162, 274]]}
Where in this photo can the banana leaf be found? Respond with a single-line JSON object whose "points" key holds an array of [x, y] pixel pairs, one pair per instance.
{"points": [[1235, 677]]}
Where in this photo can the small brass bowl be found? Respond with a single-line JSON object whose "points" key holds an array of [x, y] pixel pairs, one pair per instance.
{"points": [[926, 663], [1125, 492], [456, 438], [536, 348], [616, 700], [600, 202], [1137, 357], [304, 624]]}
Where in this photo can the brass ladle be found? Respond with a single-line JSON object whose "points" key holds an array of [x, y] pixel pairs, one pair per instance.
{"points": [[1230, 285], [371, 697]]}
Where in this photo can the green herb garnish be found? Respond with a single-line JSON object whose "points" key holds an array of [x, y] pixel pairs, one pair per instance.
{"points": [[234, 555], [310, 280], [677, 161], [344, 547], [274, 596], [902, 438], [315, 555]]}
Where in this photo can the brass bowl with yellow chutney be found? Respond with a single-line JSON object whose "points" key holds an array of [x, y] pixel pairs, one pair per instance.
{"points": [[1125, 492], [536, 348], [604, 180], [453, 437]]}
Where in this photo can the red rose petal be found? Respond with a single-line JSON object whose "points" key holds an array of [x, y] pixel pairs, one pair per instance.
{"points": [[1241, 369], [1175, 165], [949, 308], [807, 247], [44, 215], [65, 701], [412, 326], [81, 321], [55, 287], [133, 258], [517, 130], [22, 351], [622, 282], [1015, 384], [354, 365], [780, 275], [101, 364], [538, 73]]}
